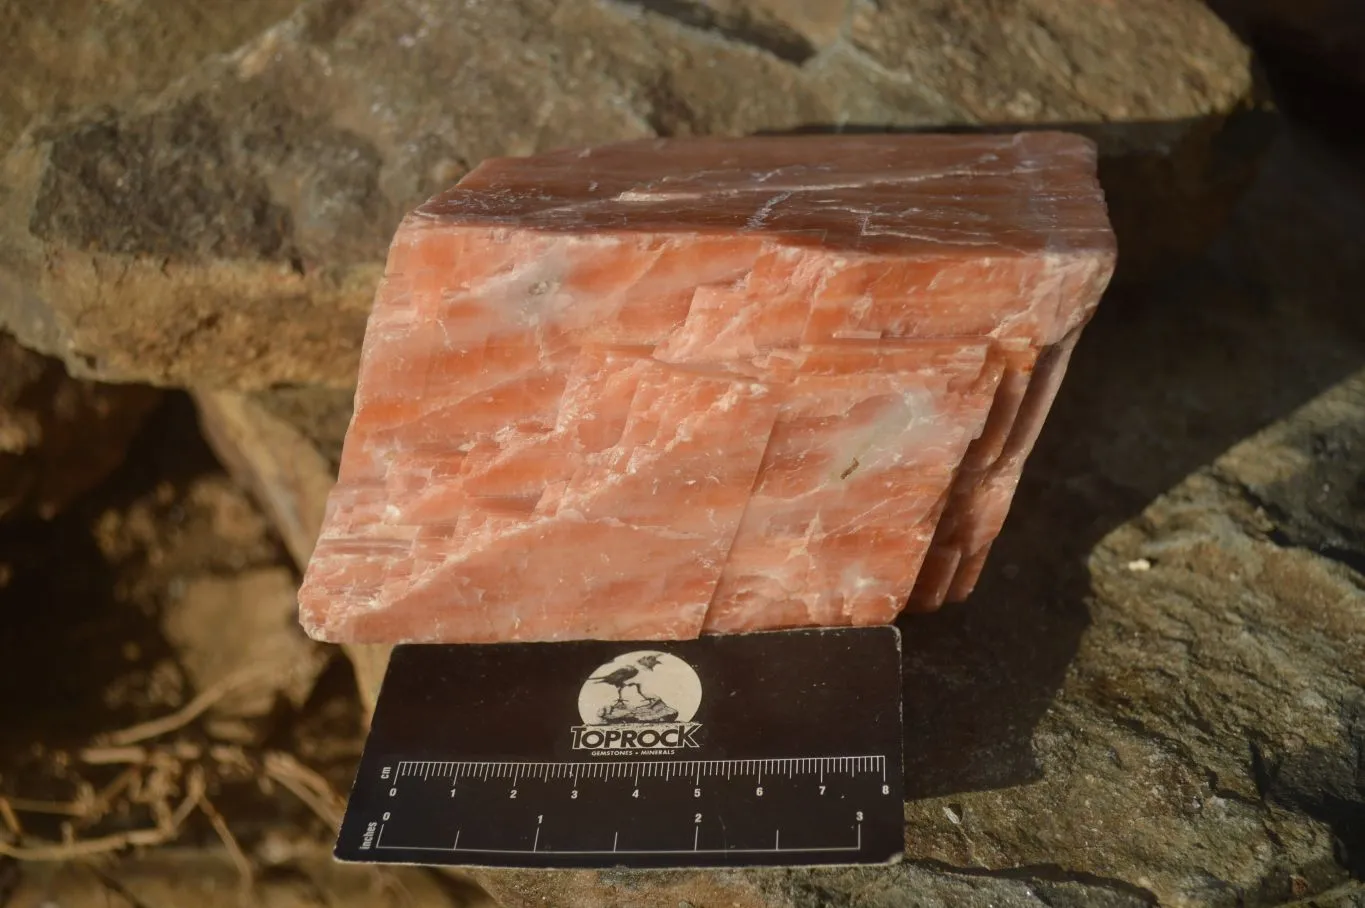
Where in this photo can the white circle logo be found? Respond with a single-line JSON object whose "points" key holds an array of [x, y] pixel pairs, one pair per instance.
{"points": [[641, 688]]}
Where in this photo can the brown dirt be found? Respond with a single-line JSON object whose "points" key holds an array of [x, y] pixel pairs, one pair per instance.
{"points": [[84, 654]]}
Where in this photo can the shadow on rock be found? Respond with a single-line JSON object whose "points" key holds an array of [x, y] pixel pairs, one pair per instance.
{"points": [[1168, 376], [1328, 785]]}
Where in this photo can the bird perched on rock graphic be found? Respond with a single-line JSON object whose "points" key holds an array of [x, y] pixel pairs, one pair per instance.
{"points": [[649, 709]]}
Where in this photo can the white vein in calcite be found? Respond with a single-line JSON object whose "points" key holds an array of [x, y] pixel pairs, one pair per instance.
{"points": [[717, 385]]}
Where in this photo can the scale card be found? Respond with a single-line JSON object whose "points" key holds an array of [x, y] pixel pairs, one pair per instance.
{"points": [[769, 748]]}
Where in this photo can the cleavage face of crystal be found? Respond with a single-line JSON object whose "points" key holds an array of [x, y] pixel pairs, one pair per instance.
{"points": [[659, 388]]}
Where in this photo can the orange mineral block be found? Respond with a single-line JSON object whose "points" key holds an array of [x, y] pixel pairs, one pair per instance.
{"points": [[661, 388]]}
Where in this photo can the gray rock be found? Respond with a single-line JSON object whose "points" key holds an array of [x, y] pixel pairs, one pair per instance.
{"points": [[791, 30], [228, 231], [900, 886], [62, 55]]}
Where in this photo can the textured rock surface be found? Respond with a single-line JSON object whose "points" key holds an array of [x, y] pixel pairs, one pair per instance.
{"points": [[731, 383], [59, 436], [229, 231], [297, 877], [320, 415], [282, 468], [904, 885], [289, 477], [68, 54], [225, 625], [1154, 697]]}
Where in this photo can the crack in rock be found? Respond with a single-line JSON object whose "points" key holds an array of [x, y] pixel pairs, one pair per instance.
{"points": [[738, 26], [1039, 874]]}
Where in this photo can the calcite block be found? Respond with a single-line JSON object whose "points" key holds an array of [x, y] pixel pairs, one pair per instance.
{"points": [[655, 389]]}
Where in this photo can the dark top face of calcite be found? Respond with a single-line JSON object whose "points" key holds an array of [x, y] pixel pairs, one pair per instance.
{"points": [[1026, 192], [660, 388]]}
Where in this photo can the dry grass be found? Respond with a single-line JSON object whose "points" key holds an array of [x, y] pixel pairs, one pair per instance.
{"points": [[168, 780]]}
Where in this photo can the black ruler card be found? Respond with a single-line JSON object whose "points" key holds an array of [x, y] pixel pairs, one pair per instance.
{"points": [[768, 748]]}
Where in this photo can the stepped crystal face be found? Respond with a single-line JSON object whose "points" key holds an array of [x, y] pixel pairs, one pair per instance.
{"points": [[656, 389]]}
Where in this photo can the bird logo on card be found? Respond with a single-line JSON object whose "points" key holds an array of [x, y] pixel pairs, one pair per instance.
{"points": [[642, 700]]}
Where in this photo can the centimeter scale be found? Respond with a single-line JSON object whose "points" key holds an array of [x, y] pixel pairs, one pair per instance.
{"points": [[770, 748]]}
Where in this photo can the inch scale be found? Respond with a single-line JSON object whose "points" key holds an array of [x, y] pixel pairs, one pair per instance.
{"points": [[539, 783]]}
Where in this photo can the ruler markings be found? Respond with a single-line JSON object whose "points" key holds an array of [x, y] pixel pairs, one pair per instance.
{"points": [[616, 850], [851, 778], [486, 769]]}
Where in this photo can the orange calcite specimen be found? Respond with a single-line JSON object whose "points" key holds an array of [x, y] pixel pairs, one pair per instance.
{"points": [[656, 389]]}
